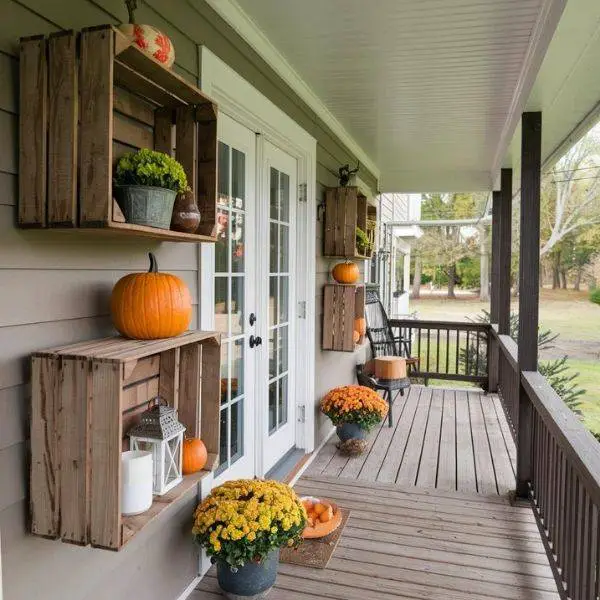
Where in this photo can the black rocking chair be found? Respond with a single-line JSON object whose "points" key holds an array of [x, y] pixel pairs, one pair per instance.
{"points": [[383, 343]]}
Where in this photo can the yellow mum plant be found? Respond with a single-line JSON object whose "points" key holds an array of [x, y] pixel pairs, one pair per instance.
{"points": [[354, 404], [242, 521]]}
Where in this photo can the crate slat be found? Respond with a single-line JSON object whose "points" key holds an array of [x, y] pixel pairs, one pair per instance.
{"points": [[169, 376], [44, 472], [106, 434], [163, 130], [33, 118], [206, 190], [62, 130], [342, 304], [186, 143], [96, 126], [74, 422], [189, 389], [211, 395]]}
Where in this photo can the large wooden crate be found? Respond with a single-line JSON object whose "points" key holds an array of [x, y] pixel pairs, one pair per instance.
{"points": [[342, 304], [87, 98], [85, 397], [345, 210]]}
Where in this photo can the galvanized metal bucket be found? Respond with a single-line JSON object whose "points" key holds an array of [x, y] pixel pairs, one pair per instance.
{"points": [[146, 205]]}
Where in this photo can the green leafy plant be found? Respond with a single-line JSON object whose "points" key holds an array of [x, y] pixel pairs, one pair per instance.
{"points": [[148, 167], [241, 521], [595, 296], [363, 243]]}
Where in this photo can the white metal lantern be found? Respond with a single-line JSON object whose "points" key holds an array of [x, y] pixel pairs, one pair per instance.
{"points": [[161, 433]]}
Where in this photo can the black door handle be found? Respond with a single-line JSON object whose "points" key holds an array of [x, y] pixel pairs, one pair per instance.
{"points": [[255, 341], [252, 319]]}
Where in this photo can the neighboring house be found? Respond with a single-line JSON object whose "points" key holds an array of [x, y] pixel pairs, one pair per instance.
{"points": [[395, 242]]}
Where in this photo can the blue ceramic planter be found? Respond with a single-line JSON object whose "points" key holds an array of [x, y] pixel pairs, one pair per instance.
{"points": [[350, 431], [253, 581]]}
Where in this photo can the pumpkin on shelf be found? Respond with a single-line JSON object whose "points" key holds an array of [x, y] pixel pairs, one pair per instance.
{"points": [[360, 325], [152, 305], [346, 272], [194, 456], [148, 38]]}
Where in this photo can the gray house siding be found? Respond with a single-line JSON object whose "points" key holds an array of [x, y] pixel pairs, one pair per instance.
{"points": [[55, 288]]}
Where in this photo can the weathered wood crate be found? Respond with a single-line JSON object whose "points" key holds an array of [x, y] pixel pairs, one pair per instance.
{"points": [[87, 98], [85, 397], [345, 210], [342, 304]]}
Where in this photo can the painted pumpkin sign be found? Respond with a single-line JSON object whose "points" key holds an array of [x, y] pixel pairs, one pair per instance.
{"points": [[151, 40]]}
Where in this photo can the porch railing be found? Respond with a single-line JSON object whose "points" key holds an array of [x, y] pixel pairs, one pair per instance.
{"points": [[565, 475], [447, 350]]}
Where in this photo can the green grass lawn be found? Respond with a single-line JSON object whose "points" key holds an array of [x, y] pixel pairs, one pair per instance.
{"points": [[566, 312]]}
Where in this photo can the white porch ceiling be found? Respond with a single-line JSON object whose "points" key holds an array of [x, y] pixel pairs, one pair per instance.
{"points": [[429, 89]]}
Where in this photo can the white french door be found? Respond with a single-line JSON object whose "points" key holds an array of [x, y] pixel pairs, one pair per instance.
{"points": [[235, 296], [254, 301], [277, 258]]}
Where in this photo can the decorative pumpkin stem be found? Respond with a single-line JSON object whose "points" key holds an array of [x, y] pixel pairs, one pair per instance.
{"points": [[131, 8], [153, 264]]}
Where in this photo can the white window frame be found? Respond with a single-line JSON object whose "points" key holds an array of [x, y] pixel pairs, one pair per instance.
{"points": [[243, 103]]}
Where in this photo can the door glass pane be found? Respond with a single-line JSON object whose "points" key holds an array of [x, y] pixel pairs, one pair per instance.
{"points": [[272, 353], [221, 312], [274, 195], [224, 372], [283, 400], [237, 428], [284, 257], [223, 171], [221, 245], [273, 303], [237, 242], [237, 305], [238, 178], [283, 349], [237, 369], [284, 214], [273, 250], [223, 443], [284, 296], [272, 406]]}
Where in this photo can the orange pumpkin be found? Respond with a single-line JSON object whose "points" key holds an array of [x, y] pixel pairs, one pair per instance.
{"points": [[346, 272], [355, 336], [152, 305], [360, 325], [194, 456]]}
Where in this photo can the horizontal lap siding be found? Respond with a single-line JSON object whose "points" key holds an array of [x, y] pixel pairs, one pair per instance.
{"points": [[55, 289]]}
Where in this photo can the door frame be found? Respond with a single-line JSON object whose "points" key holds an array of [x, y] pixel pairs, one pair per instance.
{"points": [[241, 101]]}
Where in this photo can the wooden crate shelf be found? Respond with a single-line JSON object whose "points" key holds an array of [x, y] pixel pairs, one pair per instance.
{"points": [[342, 304], [85, 397], [87, 98], [345, 210]]}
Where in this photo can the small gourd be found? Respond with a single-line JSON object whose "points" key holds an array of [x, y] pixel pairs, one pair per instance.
{"points": [[194, 456], [360, 325]]}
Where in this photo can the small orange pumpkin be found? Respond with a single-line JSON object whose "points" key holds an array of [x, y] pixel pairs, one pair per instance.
{"points": [[194, 456], [152, 305], [356, 336], [346, 272], [360, 325]]}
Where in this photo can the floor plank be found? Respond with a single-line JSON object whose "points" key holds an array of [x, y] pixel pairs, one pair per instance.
{"points": [[428, 465], [446, 478], [484, 465], [465, 461]]}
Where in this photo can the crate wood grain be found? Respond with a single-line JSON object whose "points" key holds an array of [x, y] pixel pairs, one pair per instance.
{"points": [[62, 130], [345, 210], [85, 397], [33, 117], [342, 304], [87, 98]]}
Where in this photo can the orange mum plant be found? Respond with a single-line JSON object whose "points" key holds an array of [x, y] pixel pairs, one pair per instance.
{"points": [[354, 404]]}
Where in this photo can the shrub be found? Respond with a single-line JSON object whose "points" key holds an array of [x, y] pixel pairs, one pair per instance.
{"points": [[595, 296], [147, 167]]}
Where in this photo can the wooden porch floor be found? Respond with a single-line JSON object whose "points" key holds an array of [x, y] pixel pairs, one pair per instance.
{"points": [[453, 440], [425, 544], [441, 528]]}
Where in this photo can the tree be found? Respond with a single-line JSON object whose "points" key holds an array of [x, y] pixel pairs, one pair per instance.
{"points": [[571, 193]]}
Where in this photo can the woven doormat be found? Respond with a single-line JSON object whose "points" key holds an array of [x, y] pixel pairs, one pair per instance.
{"points": [[315, 553]]}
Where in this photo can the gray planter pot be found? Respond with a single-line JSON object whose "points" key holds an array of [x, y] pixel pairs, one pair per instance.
{"points": [[146, 205], [253, 581], [350, 431]]}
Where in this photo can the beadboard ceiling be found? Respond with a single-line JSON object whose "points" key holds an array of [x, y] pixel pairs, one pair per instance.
{"points": [[429, 89]]}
